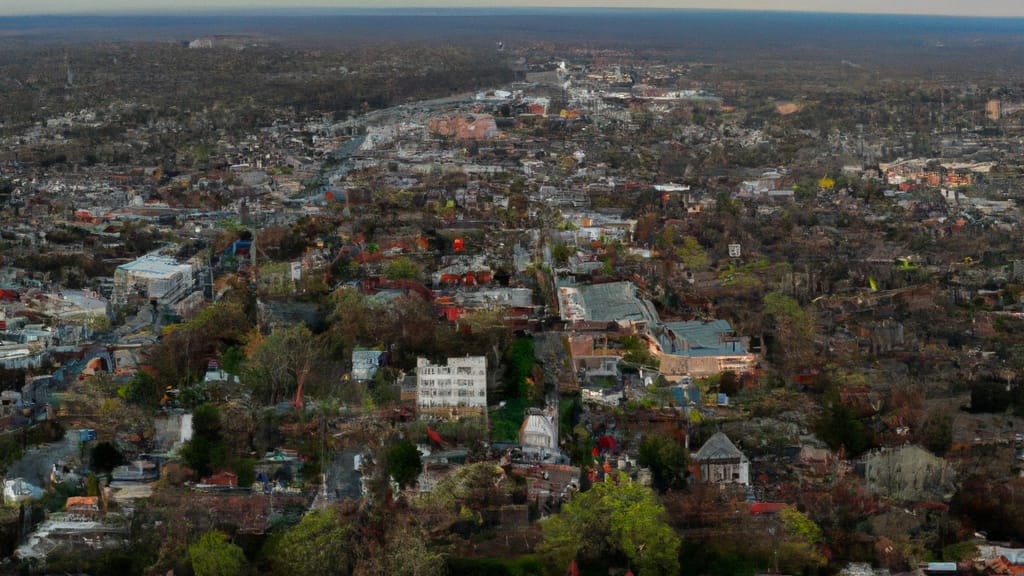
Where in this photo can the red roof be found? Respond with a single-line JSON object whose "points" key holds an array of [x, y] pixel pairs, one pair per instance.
{"points": [[222, 479], [767, 507]]}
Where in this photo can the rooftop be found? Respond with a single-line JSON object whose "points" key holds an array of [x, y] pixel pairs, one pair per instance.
{"points": [[718, 447], [698, 338], [612, 302], [154, 266]]}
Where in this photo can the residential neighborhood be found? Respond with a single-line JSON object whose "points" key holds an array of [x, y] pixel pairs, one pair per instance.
{"points": [[551, 306]]}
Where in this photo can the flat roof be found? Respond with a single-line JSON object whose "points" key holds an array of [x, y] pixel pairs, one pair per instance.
{"points": [[154, 266]]}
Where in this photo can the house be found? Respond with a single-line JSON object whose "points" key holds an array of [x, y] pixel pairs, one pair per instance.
{"points": [[998, 560], [719, 461], [456, 388], [702, 348], [365, 363], [223, 479], [597, 367], [600, 395], [539, 429], [215, 375], [18, 490], [863, 569], [611, 302], [82, 505]]}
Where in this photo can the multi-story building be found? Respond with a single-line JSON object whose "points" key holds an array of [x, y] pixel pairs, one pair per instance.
{"points": [[458, 388], [153, 277]]}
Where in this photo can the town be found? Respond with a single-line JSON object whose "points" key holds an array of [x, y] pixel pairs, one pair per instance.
{"points": [[524, 306]]}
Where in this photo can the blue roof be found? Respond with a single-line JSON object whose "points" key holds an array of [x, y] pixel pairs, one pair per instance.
{"points": [[697, 338]]}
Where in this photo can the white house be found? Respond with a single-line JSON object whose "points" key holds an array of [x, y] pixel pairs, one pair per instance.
{"points": [[539, 429], [365, 363], [719, 461]]}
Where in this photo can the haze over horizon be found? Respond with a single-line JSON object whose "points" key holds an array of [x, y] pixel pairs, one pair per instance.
{"points": [[980, 8]]}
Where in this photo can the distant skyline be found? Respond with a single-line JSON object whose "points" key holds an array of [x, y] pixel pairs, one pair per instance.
{"points": [[978, 8]]}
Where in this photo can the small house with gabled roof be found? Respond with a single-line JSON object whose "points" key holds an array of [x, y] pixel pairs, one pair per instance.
{"points": [[721, 462]]}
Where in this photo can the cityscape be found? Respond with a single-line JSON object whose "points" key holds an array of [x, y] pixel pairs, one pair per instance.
{"points": [[536, 291]]}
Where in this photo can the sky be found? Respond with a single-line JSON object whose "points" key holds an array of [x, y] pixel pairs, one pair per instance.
{"points": [[986, 8]]}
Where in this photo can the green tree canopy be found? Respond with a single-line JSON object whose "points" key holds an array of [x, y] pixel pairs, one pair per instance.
{"points": [[185, 349], [936, 432], [143, 390], [839, 427], [403, 268], [476, 486], [403, 462], [319, 545], [638, 353], [214, 555], [793, 330], [798, 550], [206, 450], [404, 551], [693, 255], [560, 253], [615, 523], [666, 458], [351, 321]]}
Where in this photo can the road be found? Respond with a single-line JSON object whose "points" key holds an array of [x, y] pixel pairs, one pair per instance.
{"points": [[35, 465]]}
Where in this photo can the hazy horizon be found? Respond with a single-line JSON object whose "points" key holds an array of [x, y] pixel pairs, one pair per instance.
{"points": [[981, 8]]}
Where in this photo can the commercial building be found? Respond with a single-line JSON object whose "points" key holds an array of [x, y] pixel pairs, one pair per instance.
{"points": [[152, 277]]}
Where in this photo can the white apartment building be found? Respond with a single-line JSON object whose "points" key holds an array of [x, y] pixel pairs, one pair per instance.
{"points": [[454, 389]]}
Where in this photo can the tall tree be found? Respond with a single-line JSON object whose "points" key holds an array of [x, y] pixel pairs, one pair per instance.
{"points": [[214, 555], [794, 329], [936, 432], [666, 460], [185, 349], [351, 319], [615, 523], [143, 389], [319, 545], [105, 457], [403, 462], [282, 362], [693, 255], [403, 268], [206, 450], [798, 548]]}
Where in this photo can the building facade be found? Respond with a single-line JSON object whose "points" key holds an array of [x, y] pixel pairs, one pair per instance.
{"points": [[458, 388], [365, 363], [154, 278], [719, 461]]}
